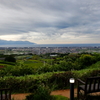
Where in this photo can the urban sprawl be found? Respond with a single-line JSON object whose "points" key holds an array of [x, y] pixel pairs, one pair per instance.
{"points": [[44, 50]]}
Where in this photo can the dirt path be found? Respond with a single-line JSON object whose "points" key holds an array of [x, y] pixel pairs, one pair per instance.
{"points": [[65, 93], [21, 96]]}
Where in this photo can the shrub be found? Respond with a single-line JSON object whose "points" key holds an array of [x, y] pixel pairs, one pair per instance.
{"points": [[30, 84], [90, 74], [42, 93], [17, 70], [61, 80], [95, 73]]}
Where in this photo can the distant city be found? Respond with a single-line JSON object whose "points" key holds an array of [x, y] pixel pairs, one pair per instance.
{"points": [[43, 49]]}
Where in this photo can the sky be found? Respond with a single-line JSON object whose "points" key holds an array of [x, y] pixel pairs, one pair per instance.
{"points": [[50, 21]]}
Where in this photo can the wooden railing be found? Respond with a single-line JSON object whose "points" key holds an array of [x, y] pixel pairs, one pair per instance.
{"points": [[91, 85], [5, 94]]}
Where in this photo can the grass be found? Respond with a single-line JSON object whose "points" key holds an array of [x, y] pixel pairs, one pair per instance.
{"points": [[33, 63], [3, 63], [59, 97]]}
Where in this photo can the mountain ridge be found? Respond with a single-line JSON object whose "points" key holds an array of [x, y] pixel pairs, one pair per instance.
{"points": [[5, 42]]}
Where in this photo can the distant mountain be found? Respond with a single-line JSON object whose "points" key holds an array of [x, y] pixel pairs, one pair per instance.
{"points": [[15, 43]]}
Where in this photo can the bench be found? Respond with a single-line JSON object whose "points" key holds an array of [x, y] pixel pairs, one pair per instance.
{"points": [[5, 94], [91, 85]]}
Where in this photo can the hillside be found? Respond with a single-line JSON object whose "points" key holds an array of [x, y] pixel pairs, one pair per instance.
{"points": [[15, 43]]}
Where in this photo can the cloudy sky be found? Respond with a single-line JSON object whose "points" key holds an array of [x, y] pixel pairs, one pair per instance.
{"points": [[50, 21]]}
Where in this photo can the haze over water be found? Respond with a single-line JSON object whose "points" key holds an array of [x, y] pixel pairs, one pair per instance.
{"points": [[54, 45]]}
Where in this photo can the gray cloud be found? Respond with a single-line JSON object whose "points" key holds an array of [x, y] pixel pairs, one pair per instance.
{"points": [[50, 19]]}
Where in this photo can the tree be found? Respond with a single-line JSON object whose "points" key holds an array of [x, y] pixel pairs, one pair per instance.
{"points": [[86, 60], [10, 59], [66, 66]]}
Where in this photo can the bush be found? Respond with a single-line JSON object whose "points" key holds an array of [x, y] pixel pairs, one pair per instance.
{"points": [[61, 80], [17, 70], [90, 73], [95, 73], [54, 80], [42, 93], [30, 84]]}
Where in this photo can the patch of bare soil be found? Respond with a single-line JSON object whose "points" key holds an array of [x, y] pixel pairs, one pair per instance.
{"points": [[21, 96], [65, 93]]}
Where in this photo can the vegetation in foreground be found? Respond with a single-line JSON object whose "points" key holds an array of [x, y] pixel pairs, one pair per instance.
{"points": [[43, 93], [28, 72]]}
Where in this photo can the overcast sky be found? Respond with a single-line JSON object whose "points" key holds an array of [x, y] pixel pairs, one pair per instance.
{"points": [[50, 21]]}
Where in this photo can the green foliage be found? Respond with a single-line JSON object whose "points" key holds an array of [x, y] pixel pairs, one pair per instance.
{"points": [[7, 63], [86, 60], [61, 80], [28, 74], [35, 57], [95, 73], [18, 85], [16, 71], [93, 70], [41, 93], [44, 69], [71, 57], [35, 63], [38, 65], [66, 65], [10, 59], [59, 97], [31, 83]]}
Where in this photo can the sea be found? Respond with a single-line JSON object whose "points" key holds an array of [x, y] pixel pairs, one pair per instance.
{"points": [[54, 45], [67, 45]]}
